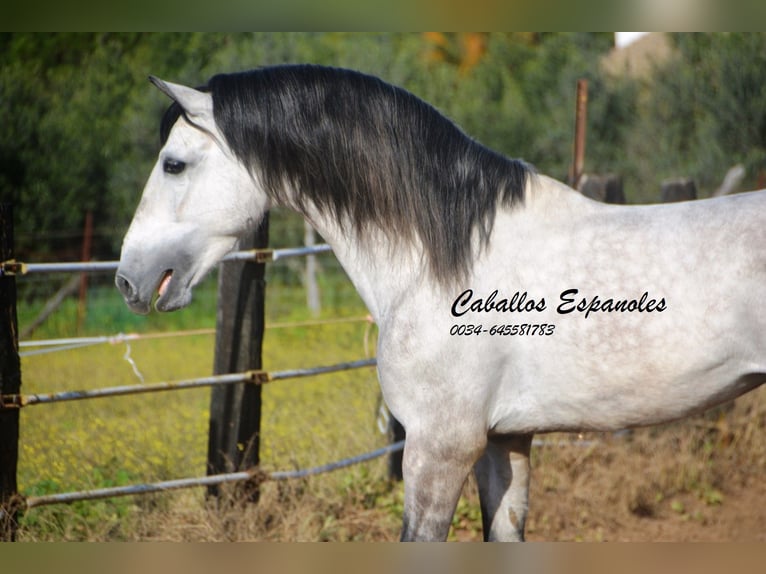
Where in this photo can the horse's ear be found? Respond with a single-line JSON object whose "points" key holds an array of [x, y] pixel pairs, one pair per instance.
{"points": [[197, 105]]}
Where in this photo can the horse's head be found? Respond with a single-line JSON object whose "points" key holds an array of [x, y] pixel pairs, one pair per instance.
{"points": [[198, 201]]}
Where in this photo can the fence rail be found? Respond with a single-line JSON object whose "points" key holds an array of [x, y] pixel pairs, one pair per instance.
{"points": [[43, 346], [255, 377], [266, 255], [255, 474], [13, 267]]}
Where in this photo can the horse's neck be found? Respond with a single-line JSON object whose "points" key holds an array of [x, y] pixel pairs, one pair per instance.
{"points": [[380, 271]]}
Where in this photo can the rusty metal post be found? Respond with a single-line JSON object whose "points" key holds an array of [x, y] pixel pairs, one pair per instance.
{"points": [[581, 116]]}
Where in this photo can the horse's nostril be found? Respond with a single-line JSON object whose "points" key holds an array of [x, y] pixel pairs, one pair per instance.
{"points": [[125, 286]]}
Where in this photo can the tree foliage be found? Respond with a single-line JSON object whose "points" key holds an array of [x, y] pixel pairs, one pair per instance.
{"points": [[80, 121], [708, 106]]}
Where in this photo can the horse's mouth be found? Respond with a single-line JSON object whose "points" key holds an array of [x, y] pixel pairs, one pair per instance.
{"points": [[164, 282], [171, 293]]}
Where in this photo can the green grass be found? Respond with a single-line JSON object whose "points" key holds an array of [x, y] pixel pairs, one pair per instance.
{"points": [[124, 440]]}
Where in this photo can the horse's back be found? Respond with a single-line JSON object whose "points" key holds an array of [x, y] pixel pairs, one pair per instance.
{"points": [[655, 310]]}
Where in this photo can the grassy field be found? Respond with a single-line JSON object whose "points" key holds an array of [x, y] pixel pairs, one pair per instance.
{"points": [[106, 442], [700, 479]]}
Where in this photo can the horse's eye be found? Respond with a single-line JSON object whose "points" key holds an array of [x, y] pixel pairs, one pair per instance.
{"points": [[173, 166]]}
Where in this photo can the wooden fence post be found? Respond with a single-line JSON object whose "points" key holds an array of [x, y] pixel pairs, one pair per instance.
{"points": [[235, 410], [605, 188], [10, 382], [678, 190]]}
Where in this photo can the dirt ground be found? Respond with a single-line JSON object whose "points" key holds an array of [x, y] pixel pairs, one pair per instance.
{"points": [[740, 517], [701, 479], [696, 480]]}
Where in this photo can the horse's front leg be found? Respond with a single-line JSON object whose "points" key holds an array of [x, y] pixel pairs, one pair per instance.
{"points": [[434, 472], [502, 474]]}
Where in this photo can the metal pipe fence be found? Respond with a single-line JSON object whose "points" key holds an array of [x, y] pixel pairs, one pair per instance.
{"points": [[255, 377], [258, 377], [254, 474], [43, 346], [258, 255]]}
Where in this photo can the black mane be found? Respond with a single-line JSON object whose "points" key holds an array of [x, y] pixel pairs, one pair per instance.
{"points": [[371, 154]]}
